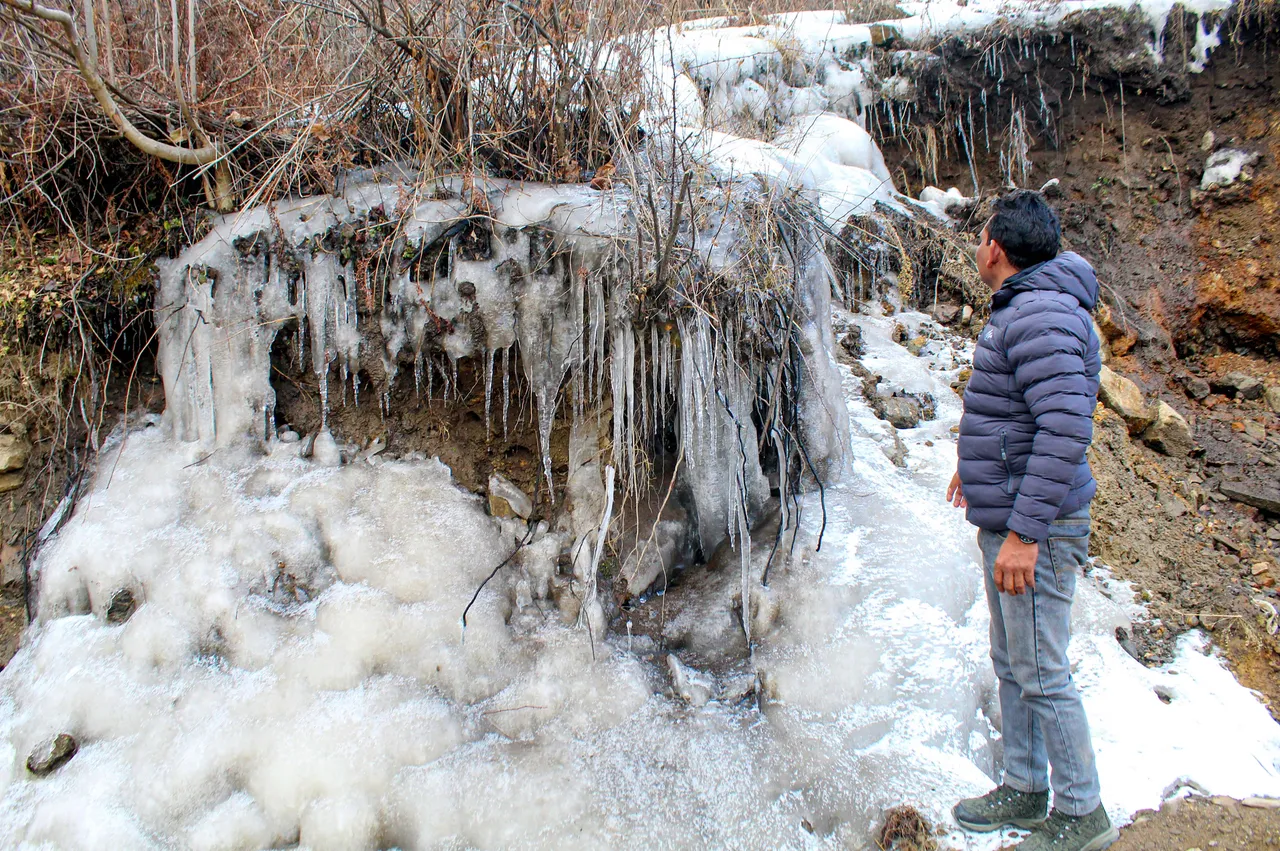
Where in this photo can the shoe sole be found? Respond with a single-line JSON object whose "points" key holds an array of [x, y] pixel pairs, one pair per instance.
{"points": [[1103, 841], [1024, 823]]}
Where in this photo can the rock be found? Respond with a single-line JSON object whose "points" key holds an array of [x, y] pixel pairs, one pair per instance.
{"points": [[14, 451], [900, 411], [52, 754], [1104, 345], [121, 607], [1197, 388], [1255, 430], [507, 500], [852, 342], [946, 313], [1239, 384], [10, 481], [966, 315], [1261, 803], [1169, 433], [1268, 499], [1126, 643], [694, 687], [1207, 141], [916, 345], [899, 333], [1123, 396], [1272, 394], [1172, 504], [1226, 166]]}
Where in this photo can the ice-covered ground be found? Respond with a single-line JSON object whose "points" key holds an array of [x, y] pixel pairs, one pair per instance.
{"points": [[296, 674]]}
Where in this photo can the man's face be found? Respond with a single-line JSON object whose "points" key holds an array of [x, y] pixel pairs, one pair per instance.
{"points": [[985, 260]]}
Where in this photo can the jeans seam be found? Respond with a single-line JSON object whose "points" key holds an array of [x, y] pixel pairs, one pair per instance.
{"points": [[1057, 719]]}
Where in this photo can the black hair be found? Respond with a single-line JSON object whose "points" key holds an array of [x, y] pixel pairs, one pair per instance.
{"points": [[1026, 227]]}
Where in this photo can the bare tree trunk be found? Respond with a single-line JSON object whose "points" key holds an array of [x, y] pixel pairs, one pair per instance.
{"points": [[204, 155]]}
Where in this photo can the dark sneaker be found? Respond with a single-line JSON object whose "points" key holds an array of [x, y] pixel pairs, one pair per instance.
{"points": [[1001, 806], [1061, 832]]}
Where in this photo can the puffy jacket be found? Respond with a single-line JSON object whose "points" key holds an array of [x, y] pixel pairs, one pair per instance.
{"points": [[1028, 409]]}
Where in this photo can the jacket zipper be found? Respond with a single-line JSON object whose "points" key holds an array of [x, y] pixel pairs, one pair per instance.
{"points": [[1004, 457]]}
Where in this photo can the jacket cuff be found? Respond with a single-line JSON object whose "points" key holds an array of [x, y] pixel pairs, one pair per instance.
{"points": [[1021, 524]]}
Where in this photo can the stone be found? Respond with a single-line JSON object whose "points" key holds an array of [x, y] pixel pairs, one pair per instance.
{"points": [[52, 754], [1268, 499], [946, 313], [916, 345], [1272, 394], [852, 343], [1255, 430], [121, 607], [966, 315], [1123, 396], [695, 687], [14, 451], [900, 411], [1197, 388], [1104, 345], [507, 500], [1240, 385], [1169, 433], [1259, 803], [10, 481]]}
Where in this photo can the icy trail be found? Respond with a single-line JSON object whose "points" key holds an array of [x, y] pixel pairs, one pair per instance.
{"points": [[335, 705]]}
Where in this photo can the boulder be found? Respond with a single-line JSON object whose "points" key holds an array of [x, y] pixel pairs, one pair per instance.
{"points": [[1123, 396], [10, 481], [900, 411], [1239, 384], [14, 451], [1273, 398], [52, 754], [1268, 499], [507, 500], [946, 313], [1169, 432], [1197, 388], [916, 345], [852, 343]]}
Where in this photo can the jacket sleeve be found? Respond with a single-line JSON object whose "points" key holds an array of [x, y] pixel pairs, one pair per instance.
{"points": [[1046, 354]]}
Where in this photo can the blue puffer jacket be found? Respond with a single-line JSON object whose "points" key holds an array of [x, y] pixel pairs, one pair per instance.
{"points": [[1028, 409]]}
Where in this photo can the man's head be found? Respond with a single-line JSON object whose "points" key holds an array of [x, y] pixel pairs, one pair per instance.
{"points": [[1023, 230]]}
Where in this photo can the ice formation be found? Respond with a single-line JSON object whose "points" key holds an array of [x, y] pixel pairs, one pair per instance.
{"points": [[297, 672]]}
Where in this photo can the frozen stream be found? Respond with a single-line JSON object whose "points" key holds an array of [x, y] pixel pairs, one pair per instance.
{"points": [[335, 705]]}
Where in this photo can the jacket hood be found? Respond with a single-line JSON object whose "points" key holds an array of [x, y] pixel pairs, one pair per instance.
{"points": [[1067, 273]]}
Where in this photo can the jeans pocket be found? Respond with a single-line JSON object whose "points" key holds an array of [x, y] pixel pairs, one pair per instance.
{"points": [[1068, 551]]}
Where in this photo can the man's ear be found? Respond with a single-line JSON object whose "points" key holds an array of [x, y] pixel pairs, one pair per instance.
{"points": [[995, 252]]}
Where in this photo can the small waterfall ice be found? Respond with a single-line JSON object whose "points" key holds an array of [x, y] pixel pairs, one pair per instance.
{"points": [[296, 674]]}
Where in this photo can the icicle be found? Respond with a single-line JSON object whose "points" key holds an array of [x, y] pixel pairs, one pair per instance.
{"points": [[324, 400], [488, 388], [417, 372], [506, 387], [546, 419]]}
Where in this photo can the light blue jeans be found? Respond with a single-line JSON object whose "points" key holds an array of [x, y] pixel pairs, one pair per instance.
{"points": [[1044, 724]]}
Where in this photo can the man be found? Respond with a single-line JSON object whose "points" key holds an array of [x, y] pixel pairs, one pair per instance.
{"points": [[1024, 480]]}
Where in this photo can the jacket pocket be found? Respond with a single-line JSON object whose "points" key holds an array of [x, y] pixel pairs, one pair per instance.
{"points": [[1004, 459]]}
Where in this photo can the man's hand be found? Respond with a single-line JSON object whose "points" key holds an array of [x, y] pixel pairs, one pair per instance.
{"points": [[955, 494], [1015, 569]]}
